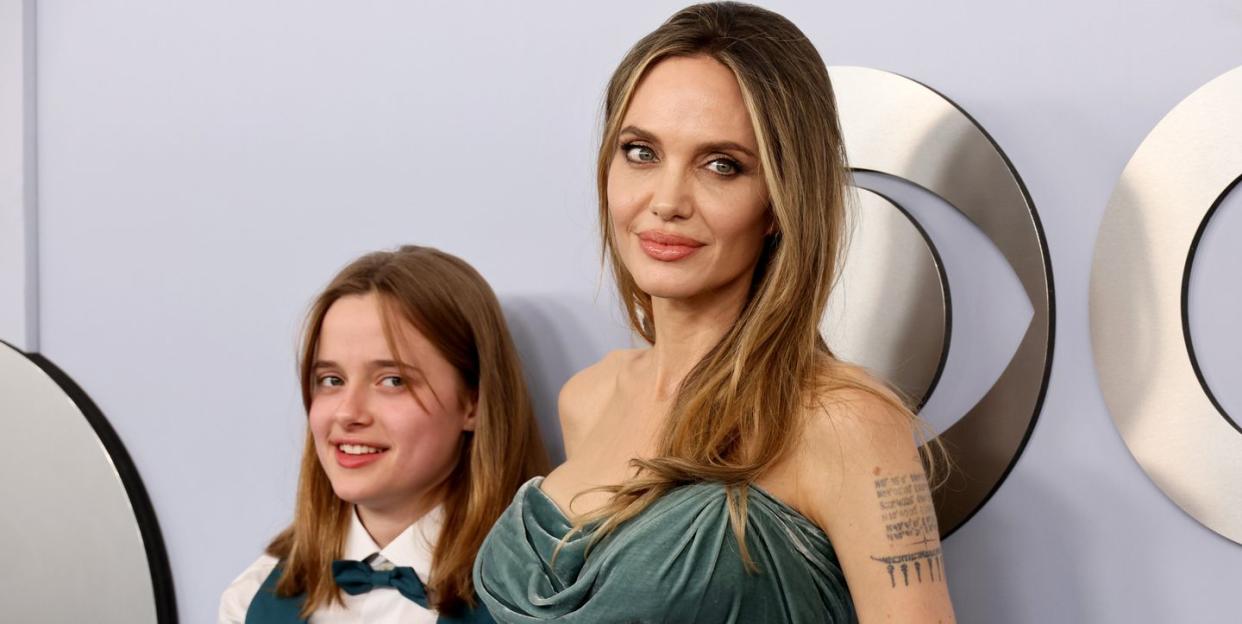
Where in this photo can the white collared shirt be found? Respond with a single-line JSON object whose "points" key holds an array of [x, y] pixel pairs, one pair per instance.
{"points": [[382, 605]]}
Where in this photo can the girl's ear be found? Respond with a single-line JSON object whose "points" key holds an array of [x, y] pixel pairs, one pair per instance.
{"points": [[470, 407]]}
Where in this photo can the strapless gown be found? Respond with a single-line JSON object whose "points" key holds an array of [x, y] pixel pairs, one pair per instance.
{"points": [[677, 561]]}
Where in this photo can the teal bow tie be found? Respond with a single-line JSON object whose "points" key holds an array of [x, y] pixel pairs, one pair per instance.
{"points": [[357, 577]]}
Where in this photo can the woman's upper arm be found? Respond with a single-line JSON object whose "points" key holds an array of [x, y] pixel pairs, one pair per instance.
{"points": [[866, 487]]}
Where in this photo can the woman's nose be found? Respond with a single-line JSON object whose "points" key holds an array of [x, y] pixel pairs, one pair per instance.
{"points": [[671, 199]]}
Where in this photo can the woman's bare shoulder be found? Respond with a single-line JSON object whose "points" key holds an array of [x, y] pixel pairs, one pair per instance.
{"points": [[849, 394], [852, 419]]}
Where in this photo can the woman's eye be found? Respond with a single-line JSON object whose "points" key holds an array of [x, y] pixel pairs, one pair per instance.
{"points": [[638, 153], [392, 381], [331, 381], [724, 167]]}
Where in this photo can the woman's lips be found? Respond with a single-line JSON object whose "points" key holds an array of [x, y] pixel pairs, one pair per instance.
{"points": [[667, 247]]}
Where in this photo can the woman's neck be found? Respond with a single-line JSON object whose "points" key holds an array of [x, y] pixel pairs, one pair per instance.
{"points": [[686, 329], [385, 523]]}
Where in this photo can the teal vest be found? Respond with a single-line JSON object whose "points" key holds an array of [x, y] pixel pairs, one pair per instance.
{"points": [[268, 608]]}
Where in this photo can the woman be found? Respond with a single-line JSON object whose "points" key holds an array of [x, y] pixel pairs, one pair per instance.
{"points": [[733, 471], [417, 419]]}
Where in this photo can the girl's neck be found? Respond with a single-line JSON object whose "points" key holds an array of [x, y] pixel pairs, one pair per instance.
{"points": [[686, 329], [384, 524]]}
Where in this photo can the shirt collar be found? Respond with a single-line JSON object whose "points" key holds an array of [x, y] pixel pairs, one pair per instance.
{"points": [[412, 547]]}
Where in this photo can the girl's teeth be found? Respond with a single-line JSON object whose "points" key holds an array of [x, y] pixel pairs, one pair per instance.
{"points": [[357, 449]]}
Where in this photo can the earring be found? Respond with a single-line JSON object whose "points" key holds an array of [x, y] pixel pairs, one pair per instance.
{"points": [[772, 240]]}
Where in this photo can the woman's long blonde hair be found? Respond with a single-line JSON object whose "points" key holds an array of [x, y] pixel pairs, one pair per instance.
{"points": [[451, 304], [739, 408]]}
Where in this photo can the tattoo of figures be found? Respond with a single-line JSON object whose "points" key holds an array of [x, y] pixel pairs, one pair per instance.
{"points": [[928, 560], [909, 523]]}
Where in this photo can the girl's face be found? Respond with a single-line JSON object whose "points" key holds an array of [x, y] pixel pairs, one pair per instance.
{"points": [[688, 203], [387, 426]]}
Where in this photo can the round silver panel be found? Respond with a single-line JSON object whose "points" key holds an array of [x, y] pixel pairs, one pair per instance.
{"points": [[896, 126], [1142, 259], [888, 311], [76, 529]]}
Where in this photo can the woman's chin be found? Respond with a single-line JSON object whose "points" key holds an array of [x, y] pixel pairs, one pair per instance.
{"points": [[683, 287], [666, 289], [667, 284]]}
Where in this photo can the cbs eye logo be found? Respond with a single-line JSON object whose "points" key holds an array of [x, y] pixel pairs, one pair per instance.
{"points": [[1155, 390], [891, 309], [1140, 329]]}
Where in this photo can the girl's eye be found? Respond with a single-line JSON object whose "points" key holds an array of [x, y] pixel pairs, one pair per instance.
{"points": [[331, 381], [638, 153], [724, 167], [392, 381]]}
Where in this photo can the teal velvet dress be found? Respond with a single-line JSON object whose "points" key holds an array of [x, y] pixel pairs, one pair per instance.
{"points": [[678, 561]]}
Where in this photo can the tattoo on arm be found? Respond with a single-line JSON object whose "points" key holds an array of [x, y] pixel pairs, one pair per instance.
{"points": [[910, 525], [906, 507]]}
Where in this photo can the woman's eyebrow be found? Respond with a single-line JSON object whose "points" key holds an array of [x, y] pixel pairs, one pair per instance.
{"points": [[642, 134], [725, 146], [711, 146]]}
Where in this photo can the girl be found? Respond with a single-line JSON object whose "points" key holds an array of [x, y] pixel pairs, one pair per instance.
{"points": [[733, 470], [419, 430]]}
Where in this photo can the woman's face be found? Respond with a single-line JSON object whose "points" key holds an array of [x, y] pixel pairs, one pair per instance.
{"points": [[387, 426], [688, 203]]}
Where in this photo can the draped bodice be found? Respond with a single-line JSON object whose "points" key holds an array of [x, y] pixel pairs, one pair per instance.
{"points": [[677, 561]]}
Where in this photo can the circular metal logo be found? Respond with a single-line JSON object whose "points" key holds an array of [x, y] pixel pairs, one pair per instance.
{"points": [[1140, 335], [890, 308], [901, 128], [84, 527]]}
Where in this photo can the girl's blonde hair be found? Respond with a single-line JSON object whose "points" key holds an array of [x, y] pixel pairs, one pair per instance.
{"points": [[738, 409], [447, 301]]}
